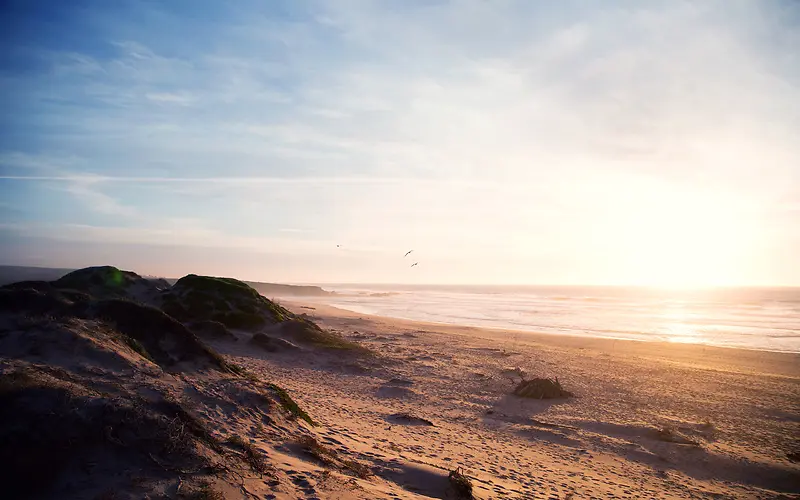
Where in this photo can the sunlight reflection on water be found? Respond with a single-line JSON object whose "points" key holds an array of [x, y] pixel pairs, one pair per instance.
{"points": [[752, 318], [678, 325]]}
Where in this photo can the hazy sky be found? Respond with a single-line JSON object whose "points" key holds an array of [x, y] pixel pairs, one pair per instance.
{"points": [[504, 141]]}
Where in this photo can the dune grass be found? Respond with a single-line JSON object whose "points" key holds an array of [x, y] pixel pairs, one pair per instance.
{"points": [[252, 455], [290, 405], [329, 457], [137, 347], [203, 492]]}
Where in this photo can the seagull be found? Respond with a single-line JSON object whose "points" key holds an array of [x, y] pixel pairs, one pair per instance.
{"points": [[414, 264], [406, 255]]}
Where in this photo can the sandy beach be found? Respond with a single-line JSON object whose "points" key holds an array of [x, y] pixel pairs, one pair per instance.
{"points": [[648, 420], [400, 250], [116, 387]]}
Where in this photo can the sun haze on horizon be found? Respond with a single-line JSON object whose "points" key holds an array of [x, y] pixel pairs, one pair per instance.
{"points": [[644, 143]]}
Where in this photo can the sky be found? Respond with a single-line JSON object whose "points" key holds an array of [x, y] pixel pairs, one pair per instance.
{"points": [[573, 142]]}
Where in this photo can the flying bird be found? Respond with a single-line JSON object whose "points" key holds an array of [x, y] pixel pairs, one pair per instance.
{"points": [[414, 264], [406, 255]]}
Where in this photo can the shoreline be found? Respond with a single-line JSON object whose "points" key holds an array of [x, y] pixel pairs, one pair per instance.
{"points": [[565, 334], [734, 408], [781, 343], [759, 360]]}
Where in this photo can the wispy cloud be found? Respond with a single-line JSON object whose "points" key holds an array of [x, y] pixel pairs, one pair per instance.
{"points": [[85, 190], [169, 97], [363, 121], [97, 179]]}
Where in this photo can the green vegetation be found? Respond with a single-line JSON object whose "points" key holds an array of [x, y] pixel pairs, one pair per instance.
{"points": [[289, 404], [197, 303], [278, 312], [225, 286], [226, 300], [306, 331], [285, 400], [310, 445], [239, 320], [101, 281], [166, 341], [137, 347], [172, 306]]}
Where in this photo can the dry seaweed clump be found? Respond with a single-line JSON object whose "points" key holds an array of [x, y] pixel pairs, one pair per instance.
{"points": [[460, 484], [251, 454], [330, 458], [409, 419], [541, 388], [672, 435], [204, 492]]}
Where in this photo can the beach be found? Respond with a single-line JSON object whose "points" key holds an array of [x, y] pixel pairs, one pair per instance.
{"points": [[117, 386], [647, 420]]}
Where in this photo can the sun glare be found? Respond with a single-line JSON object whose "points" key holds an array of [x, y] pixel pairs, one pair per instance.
{"points": [[684, 241]]}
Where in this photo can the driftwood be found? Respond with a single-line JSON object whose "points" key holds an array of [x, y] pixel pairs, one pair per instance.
{"points": [[408, 418], [539, 423]]}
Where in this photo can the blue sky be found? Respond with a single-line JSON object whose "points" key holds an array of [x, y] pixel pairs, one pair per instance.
{"points": [[505, 141]]}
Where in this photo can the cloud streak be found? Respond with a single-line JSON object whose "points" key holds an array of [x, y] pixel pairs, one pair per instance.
{"points": [[238, 180], [496, 127]]}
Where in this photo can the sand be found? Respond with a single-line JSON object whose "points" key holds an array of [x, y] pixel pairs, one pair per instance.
{"points": [[393, 420], [730, 417]]}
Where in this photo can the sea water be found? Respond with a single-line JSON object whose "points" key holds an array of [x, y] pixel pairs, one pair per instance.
{"points": [[755, 318]]}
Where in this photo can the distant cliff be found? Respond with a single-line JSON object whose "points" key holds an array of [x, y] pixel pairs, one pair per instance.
{"points": [[277, 290], [280, 290]]}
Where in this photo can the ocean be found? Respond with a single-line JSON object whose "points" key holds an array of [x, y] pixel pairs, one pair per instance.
{"points": [[754, 318]]}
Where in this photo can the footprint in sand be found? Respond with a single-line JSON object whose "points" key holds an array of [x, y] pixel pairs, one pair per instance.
{"points": [[305, 486]]}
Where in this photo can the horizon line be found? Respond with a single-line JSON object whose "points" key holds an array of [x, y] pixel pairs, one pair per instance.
{"points": [[546, 285], [543, 285]]}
